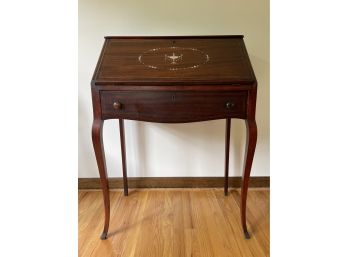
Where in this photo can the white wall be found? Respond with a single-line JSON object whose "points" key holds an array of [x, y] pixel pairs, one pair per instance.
{"points": [[161, 150]]}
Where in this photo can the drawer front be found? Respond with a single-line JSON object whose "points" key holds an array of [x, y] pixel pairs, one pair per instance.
{"points": [[173, 107]]}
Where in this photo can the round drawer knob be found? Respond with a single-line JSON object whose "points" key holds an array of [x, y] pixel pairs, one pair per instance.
{"points": [[229, 105], [117, 106]]}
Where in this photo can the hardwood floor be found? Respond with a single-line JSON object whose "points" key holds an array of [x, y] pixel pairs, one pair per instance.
{"points": [[174, 223]]}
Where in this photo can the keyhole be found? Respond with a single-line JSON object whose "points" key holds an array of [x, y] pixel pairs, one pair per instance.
{"points": [[173, 97]]}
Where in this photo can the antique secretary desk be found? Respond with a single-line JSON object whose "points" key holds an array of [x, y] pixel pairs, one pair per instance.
{"points": [[174, 80]]}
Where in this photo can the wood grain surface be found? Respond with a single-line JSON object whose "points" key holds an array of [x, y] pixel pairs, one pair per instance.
{"points": [[174, 223], [224, 59]]}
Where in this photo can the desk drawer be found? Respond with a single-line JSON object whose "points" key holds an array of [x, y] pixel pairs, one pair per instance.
{"points": [[183, 106]]}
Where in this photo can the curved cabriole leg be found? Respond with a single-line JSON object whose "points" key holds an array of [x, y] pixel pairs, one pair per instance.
{"points": [[97, 137], [123, 152], [227, 152], [251, 139]]}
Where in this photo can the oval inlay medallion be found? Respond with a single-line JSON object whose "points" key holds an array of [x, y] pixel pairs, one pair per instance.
{"points": [[173, 58]]}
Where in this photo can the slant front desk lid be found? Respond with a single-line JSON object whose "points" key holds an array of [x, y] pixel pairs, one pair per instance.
{"points": [[173, 60]]}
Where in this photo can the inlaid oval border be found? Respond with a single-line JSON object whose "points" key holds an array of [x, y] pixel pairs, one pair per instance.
{"points": [[175, 48]]}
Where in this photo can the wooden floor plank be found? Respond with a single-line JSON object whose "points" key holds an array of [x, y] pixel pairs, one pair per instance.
{"points": [[257, 216], [90, 245], [224, 227], [91, 215], [257, 243], [174, 223]]}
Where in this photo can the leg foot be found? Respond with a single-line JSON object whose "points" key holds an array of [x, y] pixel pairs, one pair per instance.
{"points": [[246, 234], [104, 236]]}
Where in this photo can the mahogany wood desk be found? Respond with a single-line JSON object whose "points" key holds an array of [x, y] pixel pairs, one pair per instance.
{"points": [[174, 80]]}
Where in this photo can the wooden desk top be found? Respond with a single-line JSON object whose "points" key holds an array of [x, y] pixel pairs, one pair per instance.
{"points": [[194, 60]]}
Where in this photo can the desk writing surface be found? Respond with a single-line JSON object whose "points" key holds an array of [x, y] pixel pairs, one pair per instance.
{"points": [[173, 60]]}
